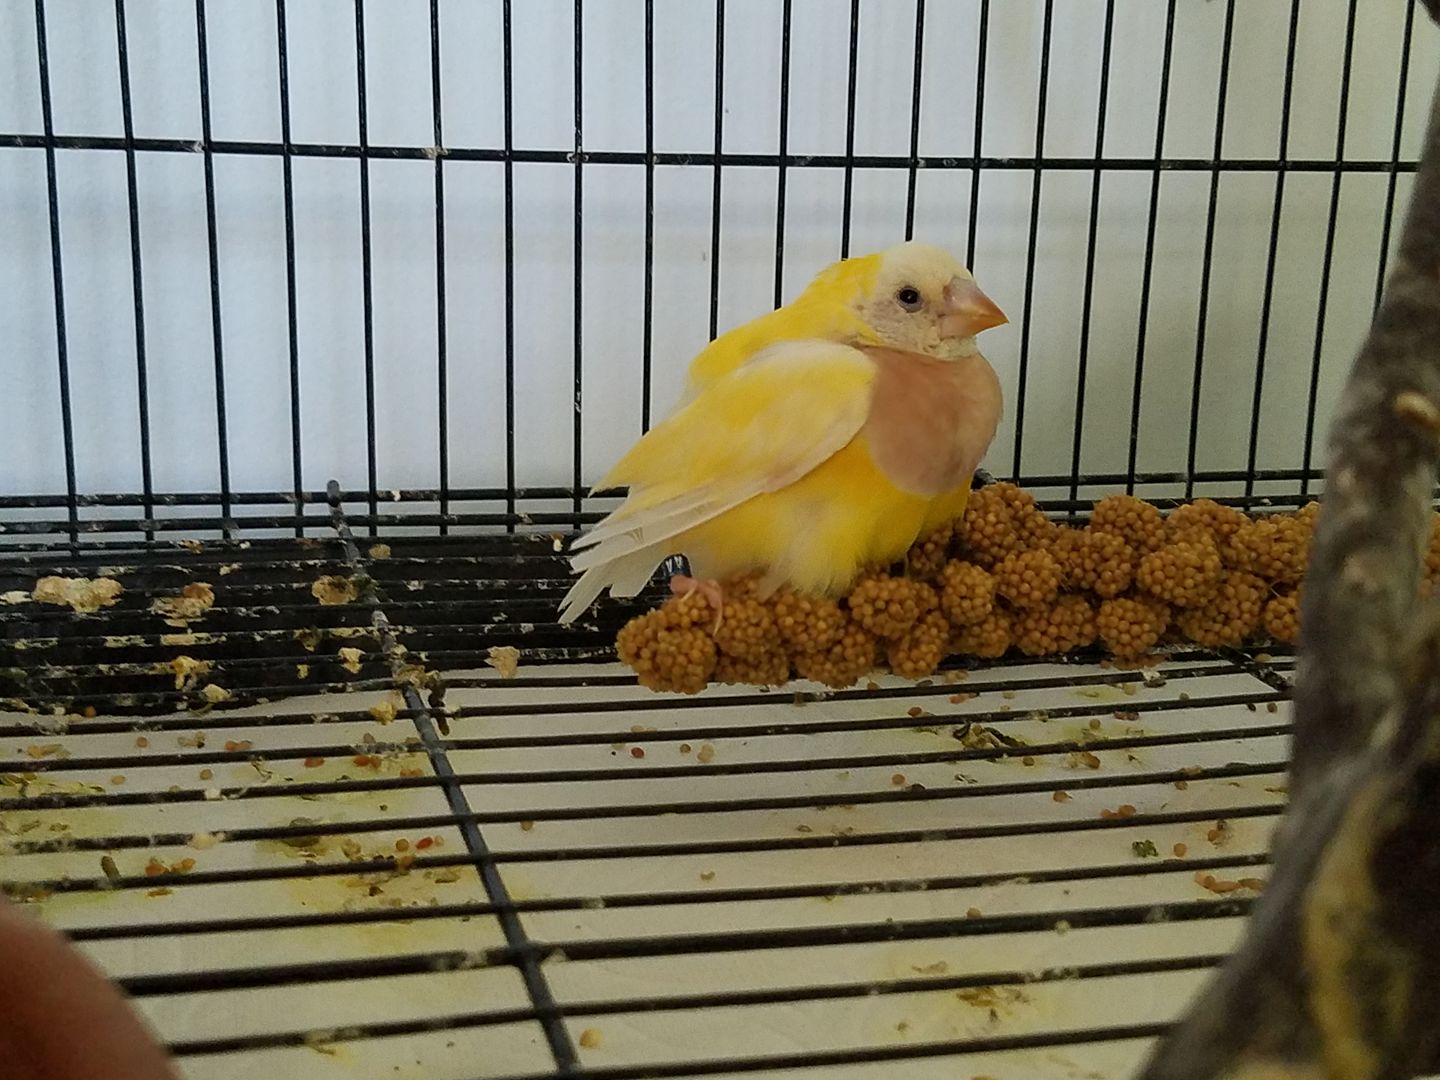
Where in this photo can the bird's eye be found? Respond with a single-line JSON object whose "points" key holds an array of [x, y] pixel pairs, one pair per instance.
{"points": [[909, 298]]}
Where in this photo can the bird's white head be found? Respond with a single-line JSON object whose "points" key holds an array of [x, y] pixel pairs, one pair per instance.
{"points": [[922, 300]]}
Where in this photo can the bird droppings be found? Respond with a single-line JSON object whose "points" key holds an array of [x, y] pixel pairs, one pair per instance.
{"points": [[191, 605], [81, 595], [1003, 578], [505, 659], [333, 590]]}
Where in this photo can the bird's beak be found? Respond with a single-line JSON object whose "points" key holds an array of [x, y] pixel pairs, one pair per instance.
{"points": [[967, 310]]}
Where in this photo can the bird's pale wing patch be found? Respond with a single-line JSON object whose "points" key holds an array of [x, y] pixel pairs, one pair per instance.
{"points": [[756, 430]]}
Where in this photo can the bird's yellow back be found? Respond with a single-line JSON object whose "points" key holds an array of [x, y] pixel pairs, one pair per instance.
{"points": [[823, 312]]}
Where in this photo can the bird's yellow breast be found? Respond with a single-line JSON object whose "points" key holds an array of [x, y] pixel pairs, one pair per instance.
{"points": [[819, 532]]}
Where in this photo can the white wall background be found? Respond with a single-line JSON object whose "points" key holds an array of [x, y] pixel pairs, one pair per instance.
{"points": [[245, 97]]}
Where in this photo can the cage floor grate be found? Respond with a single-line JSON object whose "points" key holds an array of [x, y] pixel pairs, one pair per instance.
{"points": [[305, 854]]}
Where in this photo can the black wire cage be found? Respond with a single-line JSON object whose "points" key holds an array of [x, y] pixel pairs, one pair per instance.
{"points": [[319, 320]]}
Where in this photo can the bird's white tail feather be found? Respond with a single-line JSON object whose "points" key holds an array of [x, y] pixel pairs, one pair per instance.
{"points": [[625, 576], [638, 523]]}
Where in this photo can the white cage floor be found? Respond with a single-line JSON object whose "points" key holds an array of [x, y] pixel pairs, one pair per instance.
{"points": [[769, 885]]}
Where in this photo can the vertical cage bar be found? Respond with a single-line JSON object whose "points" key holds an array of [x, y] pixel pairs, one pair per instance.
{"points": [[915, 89], [508, 92], [1034, 237], [1307, 457], [137, 283], [578, 464], [1082, 366], [287, 165], [1276, 215], [847, 198], [719, 145], [367, 282], [212, 240], [981, 45], [491, 878], [784, 150], [1207, 258], [62, 346], [648, 320], [442, 371], [1148, 266], [1388, 219]]}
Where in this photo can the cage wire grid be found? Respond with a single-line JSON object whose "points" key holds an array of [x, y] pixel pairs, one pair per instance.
{"points": [[427, 868]]}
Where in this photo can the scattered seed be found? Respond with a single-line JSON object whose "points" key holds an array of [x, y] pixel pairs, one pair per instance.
{"points": [[914, 710], [425, 842], [107, 865], [637, 752], [1095, 724], [590, 1038], [898, 779], [684, 748], [960, 699], [1179, 850], [142, 742], [526, 826], [314, 762], [207, 774], [1027, 760], [1182, 785], [1061, 796], [972, 913], [402, 844], [1271, 707], [707, 875], [117, 780], [706, 754]]}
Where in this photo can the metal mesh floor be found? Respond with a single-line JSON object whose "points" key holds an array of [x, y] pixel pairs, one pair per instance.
{"points": [[561, 874]]}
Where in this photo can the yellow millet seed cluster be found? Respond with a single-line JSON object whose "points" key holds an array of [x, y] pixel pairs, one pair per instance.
{"points": [[1061, 627], [1098, 562], [930, 553], [1135, 521], [667, 654], [1002, 577], [748, 630], [767, 669], [1184, 573], [1130, 626], [987, 532], [921, 650], [1273, 547], [967, 592], [808, 623], [988, 639], [1229, 616], [1281, 617], [851, 658], [1028, 579], [889, 606]]}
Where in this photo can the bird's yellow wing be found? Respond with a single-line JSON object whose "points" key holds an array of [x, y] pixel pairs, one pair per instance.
{"points": [[756, 430]]}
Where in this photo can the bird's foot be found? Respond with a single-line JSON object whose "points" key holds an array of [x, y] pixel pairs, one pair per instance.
{"points": [[685, 585]]}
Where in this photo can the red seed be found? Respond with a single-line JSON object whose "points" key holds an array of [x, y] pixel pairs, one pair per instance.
{"points": [[637, 752]]}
